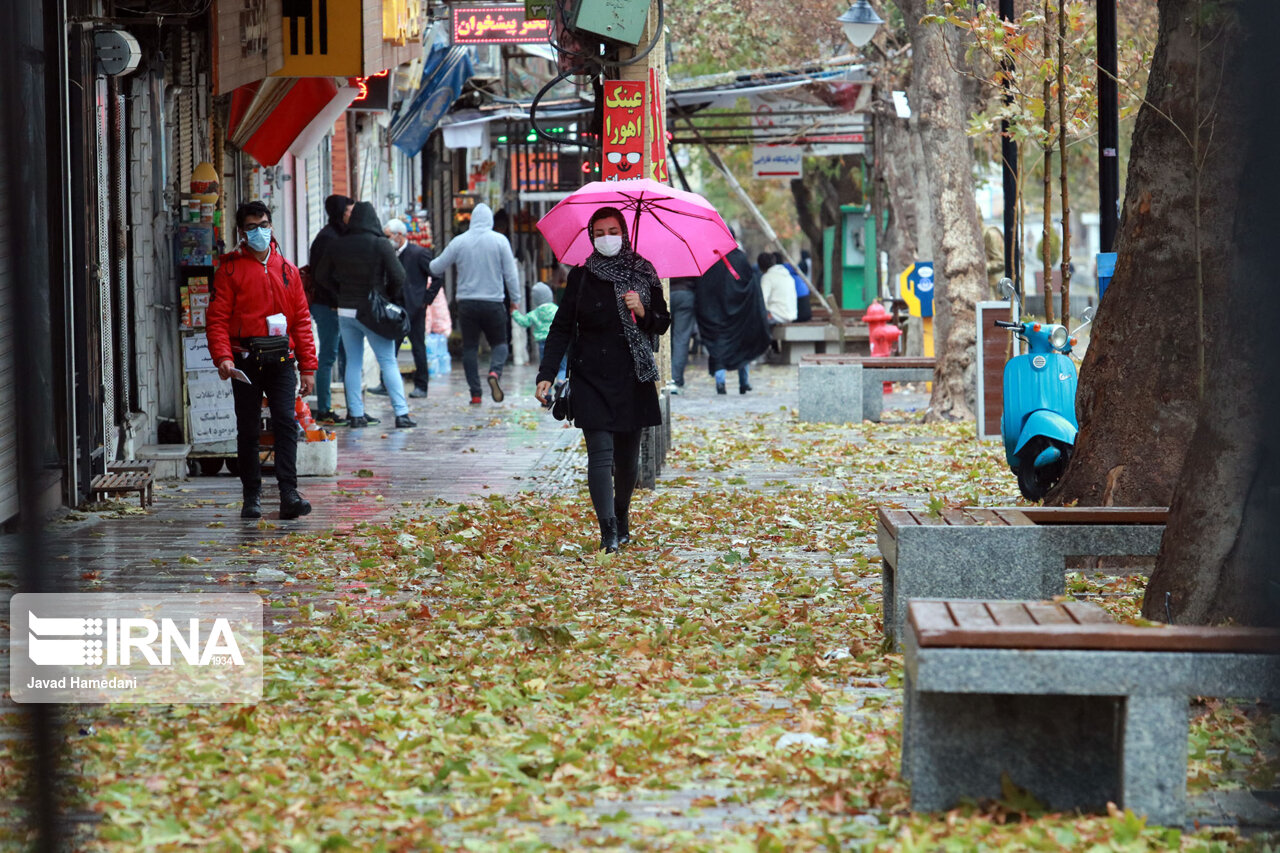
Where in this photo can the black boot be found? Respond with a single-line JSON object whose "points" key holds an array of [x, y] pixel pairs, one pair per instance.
{"points": [[609, 535], [292, 505], [252, 503], [624, 524]]}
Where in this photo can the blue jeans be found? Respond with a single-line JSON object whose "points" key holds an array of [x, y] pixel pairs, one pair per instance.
{"points": [[354, 334], [682, 305], [326, 319], [564, 362], [743, 376]]}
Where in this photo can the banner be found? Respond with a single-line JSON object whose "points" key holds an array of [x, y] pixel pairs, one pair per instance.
{"points": [[624, 126], [444, 73]]}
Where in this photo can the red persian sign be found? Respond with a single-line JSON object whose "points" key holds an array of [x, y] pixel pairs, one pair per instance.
{"points": [[624, 123], [497, 24]]}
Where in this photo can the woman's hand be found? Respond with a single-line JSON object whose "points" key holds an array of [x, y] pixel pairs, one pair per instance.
{"points": [[541, 392], [632, 301]]}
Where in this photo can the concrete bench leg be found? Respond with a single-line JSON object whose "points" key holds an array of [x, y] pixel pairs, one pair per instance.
{"points": [[889, 610], [1063, 749], [872, 399], [793, 351], [1154, 765]]}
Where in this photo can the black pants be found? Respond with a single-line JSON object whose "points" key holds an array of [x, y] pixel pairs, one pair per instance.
{"points": [[418, 340], [804, 310], [477, 317], [279, 383], [613, 466]]}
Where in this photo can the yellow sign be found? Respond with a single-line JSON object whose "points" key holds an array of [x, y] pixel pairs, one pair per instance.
{"points": [[321, 38], [401, 21]]}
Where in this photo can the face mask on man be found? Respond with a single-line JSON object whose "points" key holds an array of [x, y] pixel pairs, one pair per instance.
{"points": [[608, 244], [258, 238]]}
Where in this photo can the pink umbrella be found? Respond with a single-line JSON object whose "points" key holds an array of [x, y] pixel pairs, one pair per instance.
{"points": [[679, 232]]}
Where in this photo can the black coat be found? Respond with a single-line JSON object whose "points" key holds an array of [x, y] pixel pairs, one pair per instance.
{"points": [[606, 393], [731, 314], [320, 294], [419, 288], [360, 261]]}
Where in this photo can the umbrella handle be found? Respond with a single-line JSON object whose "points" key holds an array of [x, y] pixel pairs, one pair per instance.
{"points": [[732, 271]]}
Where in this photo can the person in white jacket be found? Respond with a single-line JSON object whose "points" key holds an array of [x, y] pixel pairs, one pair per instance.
{"points": [[484, 264], [779, 289]]}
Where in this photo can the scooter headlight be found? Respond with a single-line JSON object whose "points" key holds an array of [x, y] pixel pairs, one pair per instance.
{"points": [[1058, 337]]}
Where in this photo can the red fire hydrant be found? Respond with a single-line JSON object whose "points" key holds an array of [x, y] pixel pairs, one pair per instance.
{"points": [[883, 334]]}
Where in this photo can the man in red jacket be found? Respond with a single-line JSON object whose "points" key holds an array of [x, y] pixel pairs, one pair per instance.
{"points": [[252, 283]]}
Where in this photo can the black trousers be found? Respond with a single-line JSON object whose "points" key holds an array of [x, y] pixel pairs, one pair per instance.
{"points": [[418, 340], [478, 317], [613, 466], [279, 384]]}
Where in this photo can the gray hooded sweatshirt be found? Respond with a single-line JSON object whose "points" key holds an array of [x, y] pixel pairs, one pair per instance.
{"points": [[484, 261]]}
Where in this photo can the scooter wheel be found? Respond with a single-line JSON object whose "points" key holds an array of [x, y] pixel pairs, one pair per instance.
{"points": [[1033, 482]]}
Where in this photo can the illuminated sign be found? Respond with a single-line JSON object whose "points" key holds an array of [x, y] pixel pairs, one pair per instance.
{"points": [[497, 24], [624, 126], [375, 92]]}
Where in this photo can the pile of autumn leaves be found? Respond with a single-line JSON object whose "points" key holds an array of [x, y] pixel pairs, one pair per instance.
{"points": [[484, 679]]}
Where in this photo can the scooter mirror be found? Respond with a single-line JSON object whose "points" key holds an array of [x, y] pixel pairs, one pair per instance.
{"points": [[1087, 316], [1006, 287]]}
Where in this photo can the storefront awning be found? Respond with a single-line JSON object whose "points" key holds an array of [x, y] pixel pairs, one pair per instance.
{"points": [[269, 117]]}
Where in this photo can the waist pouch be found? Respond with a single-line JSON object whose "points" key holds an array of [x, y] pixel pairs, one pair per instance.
{"points": [[267, 350]]}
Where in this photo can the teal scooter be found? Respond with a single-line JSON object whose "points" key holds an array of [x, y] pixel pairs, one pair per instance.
{"points": [[1039, 421]]}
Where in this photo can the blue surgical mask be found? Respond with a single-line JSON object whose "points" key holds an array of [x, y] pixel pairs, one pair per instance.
{"points": [[258, 238]]}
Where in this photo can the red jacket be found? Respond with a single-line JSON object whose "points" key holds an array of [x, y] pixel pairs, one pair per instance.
{"points": [[246, 292]]}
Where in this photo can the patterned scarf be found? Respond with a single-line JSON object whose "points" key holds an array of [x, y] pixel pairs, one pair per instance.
{"points": [[628, 271]]}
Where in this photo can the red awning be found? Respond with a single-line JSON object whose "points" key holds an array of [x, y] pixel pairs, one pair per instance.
{"points": [[267, 116]]}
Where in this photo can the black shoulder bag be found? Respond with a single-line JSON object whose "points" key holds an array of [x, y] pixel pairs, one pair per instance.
{"points": [[562, 403], [381, 316]]}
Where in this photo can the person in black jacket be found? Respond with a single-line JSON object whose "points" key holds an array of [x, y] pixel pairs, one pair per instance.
{"points": [[360, 261], [612, 312], [324, 305], [731, 318], [420, 290]]}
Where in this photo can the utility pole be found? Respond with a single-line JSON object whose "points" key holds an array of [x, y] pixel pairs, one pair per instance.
{"points": [[1108, 126], [1009, 170]]}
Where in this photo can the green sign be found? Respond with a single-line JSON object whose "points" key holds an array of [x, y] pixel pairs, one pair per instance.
{"points": [[538, 10]]}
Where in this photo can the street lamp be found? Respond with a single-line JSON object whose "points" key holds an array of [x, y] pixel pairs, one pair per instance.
{"points": [[860, 22]]}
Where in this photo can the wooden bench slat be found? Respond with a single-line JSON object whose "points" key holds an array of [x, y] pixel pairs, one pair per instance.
{"points": [[931, 616], [932, 622], [985, 517], [1014, 517], [971, 615], [1087, 613], [924, 518], [1095, 514], [1007, 613], [1048, 613], [959, 516]]}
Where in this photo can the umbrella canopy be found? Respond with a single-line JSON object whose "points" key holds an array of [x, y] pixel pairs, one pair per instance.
{"points": [[679, 232]]}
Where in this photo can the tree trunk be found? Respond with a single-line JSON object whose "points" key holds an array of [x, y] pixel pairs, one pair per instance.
{"points": [[1046, 233], [1217, 559], [939, 105], [1137, 400], [1065, 314]]}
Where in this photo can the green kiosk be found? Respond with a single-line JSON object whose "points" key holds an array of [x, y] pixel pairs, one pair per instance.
{"points": [[858, 286]]}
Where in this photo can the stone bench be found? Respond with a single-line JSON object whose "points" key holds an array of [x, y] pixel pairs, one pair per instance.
{"points": [[797, 340], [1062, 701], [837, 389], [1001, 552]]}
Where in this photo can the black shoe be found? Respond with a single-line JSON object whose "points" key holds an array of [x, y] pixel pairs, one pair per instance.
{"points": [[418, 393], [404, 422], [359, 422], [328, 418], [720, 388], [624, 526], [381, 391], [292, 506], [609, 535], [742, 389], [252, 504], [494, 388]]}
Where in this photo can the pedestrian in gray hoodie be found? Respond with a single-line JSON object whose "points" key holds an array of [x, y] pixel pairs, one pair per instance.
{"points": [[484, 264]]}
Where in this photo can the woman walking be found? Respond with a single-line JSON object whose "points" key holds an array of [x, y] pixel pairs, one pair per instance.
{"points": [[358, 262], [608, 322]]}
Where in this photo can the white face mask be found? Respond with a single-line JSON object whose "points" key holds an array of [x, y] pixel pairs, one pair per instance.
{"points": [[608, 244]]}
